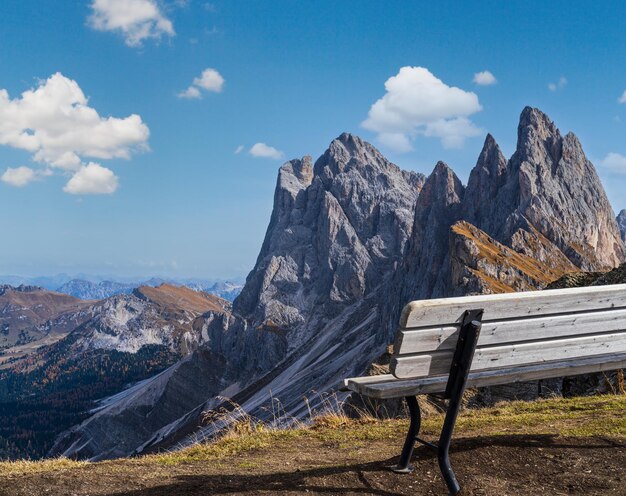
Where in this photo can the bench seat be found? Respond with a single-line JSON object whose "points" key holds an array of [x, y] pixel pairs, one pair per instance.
{"points": [[445, 345], [387, 386]]}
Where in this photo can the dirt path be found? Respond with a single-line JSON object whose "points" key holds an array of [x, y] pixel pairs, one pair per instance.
{"points": [[489, 466]]}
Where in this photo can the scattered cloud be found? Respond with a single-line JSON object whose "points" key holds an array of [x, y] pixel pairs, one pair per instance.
{"points": [[615, 162], [622, 99], [418, 103], [18, 176], [135, 20], [398, 142], [452, 132], [239, 149], [92, 179], [191, 93], [484, 78], [55, 123], [209, 80], [261, 150], [559, 85]]}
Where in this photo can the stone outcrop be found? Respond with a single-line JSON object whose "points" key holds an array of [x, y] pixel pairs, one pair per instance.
{"points": [[480, 264], [351, 239]]}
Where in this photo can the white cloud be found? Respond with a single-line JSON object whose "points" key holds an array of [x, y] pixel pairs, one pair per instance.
{"points": [[418, 103], [452, 131], [239, 149], [191, 93], [615, 162], [55, 123], [398, 142], [261, 150], [92, 179], [484, 78], [622, 99], [562, 82], [136, 20], [18, 176], [209, 80]]}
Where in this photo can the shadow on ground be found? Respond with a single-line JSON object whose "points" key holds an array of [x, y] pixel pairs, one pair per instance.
{"points": [[481, 464]]}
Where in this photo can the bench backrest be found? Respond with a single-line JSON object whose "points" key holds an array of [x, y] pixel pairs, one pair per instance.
{"points": [[519, 329]]}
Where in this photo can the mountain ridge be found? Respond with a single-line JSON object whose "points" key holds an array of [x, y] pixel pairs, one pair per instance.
{"points": [[351, 239]]}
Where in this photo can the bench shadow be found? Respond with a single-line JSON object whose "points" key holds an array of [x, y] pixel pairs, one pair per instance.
{"points": [[301, 480], [274, 483]]}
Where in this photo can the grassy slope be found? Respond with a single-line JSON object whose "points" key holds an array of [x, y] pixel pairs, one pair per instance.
{"points": [[328, 452]]}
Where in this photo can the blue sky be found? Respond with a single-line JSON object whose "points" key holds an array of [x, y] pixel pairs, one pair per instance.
{"points": [[146, 182]]}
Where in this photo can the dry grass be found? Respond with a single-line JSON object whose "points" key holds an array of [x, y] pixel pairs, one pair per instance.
{"points": [[494, 253], [579, 417], [30, 467]]}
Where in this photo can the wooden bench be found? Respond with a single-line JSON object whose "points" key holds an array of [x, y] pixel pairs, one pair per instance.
{"points": [[445, 345]]}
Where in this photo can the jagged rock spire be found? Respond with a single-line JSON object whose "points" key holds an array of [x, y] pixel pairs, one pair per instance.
{"points": [[543, 192], [490, 195], [424, 273]]}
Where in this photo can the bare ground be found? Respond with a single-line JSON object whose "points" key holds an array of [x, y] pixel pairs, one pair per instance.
{"points": [[497, 453]]}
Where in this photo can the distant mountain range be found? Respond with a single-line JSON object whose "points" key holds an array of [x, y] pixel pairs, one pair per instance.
{"points": [[97, 288], [351, 239]]}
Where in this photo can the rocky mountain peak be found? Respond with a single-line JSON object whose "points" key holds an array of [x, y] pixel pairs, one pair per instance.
{"points": [[442, 189], [491, 162], [295, 175], [22, 288], [541, 194], [181, 298], [346, 247], [488, 180], [349, 154], [538, 138], [329, 230]]}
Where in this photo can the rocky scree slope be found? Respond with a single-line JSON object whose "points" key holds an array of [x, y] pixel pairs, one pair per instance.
{"points": [[351, 239]]}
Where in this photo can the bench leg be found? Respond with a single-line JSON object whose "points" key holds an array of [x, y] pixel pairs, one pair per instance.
{"points": [[461, 363], [404, 466], [443, 446]]}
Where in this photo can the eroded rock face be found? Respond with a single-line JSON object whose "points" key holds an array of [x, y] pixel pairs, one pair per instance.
{"points": [[337, 234], [480, 265], [351, 239], [425, 269]]}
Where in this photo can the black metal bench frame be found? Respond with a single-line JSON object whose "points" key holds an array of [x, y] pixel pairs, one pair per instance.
{"points": [[455, 387]]}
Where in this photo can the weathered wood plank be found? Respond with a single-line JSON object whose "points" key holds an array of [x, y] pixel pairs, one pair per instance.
{"points": [[386, 386], [491, 357], [445, 311], [512, 331]]}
